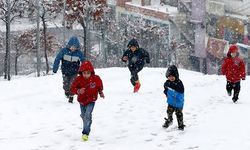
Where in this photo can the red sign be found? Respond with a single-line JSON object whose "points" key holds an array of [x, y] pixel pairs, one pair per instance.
{"points": [[216, 47]]}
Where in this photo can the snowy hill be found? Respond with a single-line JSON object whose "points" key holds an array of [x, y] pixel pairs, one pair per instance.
{"points": [[34, 115]]}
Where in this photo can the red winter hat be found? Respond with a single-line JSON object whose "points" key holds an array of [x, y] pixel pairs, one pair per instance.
{"points": [[233, 49]]}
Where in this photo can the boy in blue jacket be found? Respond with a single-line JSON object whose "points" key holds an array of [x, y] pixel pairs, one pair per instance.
{"points": [[71, 58], [174, 90], [136, 58]]}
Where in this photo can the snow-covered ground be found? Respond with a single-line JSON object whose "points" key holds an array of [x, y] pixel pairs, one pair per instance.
{"points": [[34, 115]]}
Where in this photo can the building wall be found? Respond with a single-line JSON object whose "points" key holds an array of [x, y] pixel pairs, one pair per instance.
{"points": [[138, 2], [236, 6], [121, 3], [147, 12], [111, 2]]}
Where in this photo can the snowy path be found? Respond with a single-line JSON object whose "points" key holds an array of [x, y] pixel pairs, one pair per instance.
{"points": [[34, 115]]}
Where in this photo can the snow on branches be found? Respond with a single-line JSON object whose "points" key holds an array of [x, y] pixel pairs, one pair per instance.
{"points": [[78, 11], [17, 9]]}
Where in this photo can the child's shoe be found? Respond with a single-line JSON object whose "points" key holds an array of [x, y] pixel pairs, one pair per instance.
{"points": [[137, 87], [235, 100], [85, 137], [71, 99], [167, 123], [181, 127]]}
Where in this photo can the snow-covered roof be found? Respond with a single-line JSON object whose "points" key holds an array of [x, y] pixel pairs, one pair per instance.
{"points": [[243, 45], [24, 24], [157, 7], [241, 17]]}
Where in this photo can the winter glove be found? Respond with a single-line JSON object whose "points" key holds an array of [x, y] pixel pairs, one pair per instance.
{"points": [[81, 91], [101, 95], [244, 78], [54, 71], [125, 58]]}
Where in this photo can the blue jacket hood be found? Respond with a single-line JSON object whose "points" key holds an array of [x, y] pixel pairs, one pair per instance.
{"points": [[73, 41]]}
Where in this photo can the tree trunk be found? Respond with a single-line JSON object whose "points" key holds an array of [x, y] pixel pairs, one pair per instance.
{"points": [[85, 41], [45, 43], [16, 60], [7, 55], [85, 25], [105, 55], [38, 39], [64, 23]]}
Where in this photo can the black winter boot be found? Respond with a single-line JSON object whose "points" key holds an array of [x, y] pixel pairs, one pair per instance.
{"points": [[235, 97], [167, 123], [71, 99], [181, 127]]}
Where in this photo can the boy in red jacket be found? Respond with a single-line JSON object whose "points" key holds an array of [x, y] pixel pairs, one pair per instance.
{"points": [[87, 85], [234, 69]]}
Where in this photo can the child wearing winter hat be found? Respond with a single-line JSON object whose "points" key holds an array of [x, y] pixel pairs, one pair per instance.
{"points": [[136, 58], [87, 85], [174, 91], [234, 69]]}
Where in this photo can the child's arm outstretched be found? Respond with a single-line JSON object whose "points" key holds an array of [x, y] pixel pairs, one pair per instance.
{"points": [[242, 70], [100, 87], [74, 89], [224, 67], [125, 56], [166, 88]]}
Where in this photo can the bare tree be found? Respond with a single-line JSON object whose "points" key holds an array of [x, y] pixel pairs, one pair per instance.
{"points": [[9, 10], [25, 44], [49, 10], [84, 13]]}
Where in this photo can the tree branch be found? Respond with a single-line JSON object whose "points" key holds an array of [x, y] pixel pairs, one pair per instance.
{"points": [[3, 20], [3, 9], [14, 18], [12, 7]]}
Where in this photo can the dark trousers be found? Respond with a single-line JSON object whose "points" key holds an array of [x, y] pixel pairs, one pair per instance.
{"points": [[178, 113], [67, 81], [134, 70], [235, 87]]}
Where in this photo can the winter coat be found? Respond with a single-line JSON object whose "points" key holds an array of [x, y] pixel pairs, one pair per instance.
{"points": [[70, 60], [92, 86], [136, 58], [174, 90], [233, 67]]}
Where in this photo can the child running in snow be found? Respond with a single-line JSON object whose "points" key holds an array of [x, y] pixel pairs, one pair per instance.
{"points": [[136, 58], [71, 58], [234, 69], [174, 90], [87, 85]]}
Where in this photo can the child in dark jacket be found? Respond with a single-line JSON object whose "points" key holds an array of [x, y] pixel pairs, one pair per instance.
{"points": [[174, 91], [71, 58], [87, 86], [234, 69], [136, 58]]}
